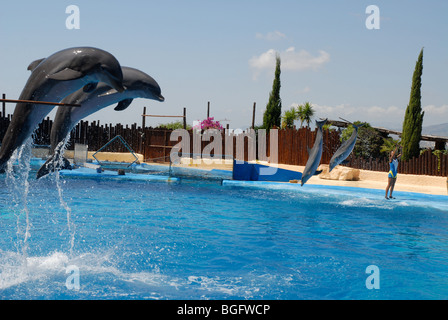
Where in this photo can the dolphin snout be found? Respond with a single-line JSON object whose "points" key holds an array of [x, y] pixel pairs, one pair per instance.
{"points": [[161, 98]]}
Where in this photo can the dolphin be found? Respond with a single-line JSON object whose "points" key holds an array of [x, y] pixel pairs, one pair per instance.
{"points": [[138, 85], [315, 154], [346, 148], [52, 79]]}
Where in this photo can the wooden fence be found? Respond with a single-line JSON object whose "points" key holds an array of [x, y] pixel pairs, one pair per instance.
{"points": [[426, 164], [155, 145]]}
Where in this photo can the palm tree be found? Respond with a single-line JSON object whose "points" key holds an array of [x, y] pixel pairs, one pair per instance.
{"points": [[388, 146], [300, 115], [289, 117], [306, 113]]}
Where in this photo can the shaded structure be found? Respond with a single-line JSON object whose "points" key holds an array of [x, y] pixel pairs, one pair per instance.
{"points": [[438, 140]]}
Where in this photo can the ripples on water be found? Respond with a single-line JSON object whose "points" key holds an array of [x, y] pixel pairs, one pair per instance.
{"points": [[143, 240]]}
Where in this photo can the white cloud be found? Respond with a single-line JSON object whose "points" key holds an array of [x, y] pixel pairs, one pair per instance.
{"points": [[291, 60], [334, 112], [433, 110], [265, 61], [391, 111], [435, 115], [389, 117], [302, 60], [271, 36]]}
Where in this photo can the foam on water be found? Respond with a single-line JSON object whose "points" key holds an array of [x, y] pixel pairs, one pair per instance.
{"points": [[44, 277], [350, 196]]}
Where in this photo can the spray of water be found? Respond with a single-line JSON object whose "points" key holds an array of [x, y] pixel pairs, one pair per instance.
{"points": [[58, 163], [17, 174], [70, 224], [17, 182]]}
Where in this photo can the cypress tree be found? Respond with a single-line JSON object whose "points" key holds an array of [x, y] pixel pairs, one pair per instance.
{"points": [[273, 112], [413, 118]]}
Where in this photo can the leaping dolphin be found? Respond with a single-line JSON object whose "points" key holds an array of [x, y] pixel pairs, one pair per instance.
{"points": [[52, 79], [138, 85], [346, 148], [315, 154]]}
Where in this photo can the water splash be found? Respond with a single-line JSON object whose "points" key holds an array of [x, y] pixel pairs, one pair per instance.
{"points": [[70, 224], [18, 185], [17, 173], [59, 162]]}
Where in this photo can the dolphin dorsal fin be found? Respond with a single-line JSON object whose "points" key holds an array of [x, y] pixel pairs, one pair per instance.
{"points": [[123, 104], [34, 64]]}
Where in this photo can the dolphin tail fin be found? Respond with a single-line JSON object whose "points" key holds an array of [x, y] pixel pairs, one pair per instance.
{"points": [[356, 126], [54, 163], [321, 123]]}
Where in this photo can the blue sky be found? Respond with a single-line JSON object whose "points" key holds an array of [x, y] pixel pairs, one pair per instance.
{"points": [[223, 52]]}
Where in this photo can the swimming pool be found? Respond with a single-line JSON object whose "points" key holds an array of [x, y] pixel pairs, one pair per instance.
{"points": [[190, 239]]}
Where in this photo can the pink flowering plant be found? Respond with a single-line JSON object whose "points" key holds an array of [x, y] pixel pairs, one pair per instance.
{"points": [[209, 123]]}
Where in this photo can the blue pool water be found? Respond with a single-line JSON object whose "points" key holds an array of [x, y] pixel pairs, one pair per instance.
{"points": [[203, 240]]}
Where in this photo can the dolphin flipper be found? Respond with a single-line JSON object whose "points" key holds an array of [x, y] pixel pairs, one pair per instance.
{"points": [[317, 172], [123, 104], [66, 74]]}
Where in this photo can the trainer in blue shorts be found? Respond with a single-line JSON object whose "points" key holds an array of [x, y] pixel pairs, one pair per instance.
{"points": [[392, 176]]}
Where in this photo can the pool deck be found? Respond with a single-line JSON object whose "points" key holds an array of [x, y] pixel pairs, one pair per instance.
{"points": [[378, 180], [368, 179]]}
